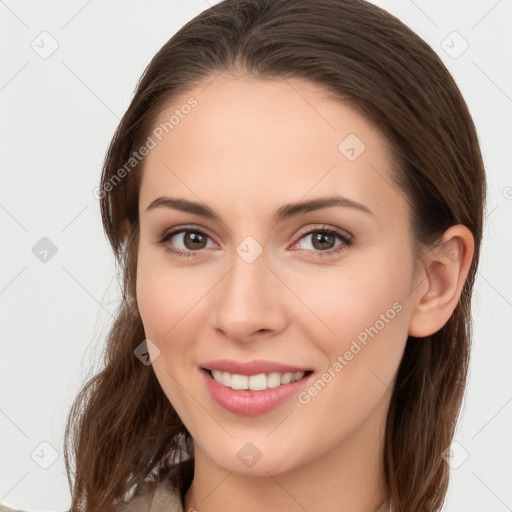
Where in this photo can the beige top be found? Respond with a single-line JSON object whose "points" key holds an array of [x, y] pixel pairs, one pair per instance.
{"points": [[164, 500], [161, 500]]}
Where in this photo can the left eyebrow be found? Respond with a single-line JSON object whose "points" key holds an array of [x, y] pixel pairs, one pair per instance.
{"points": [[292, 209], [282, 213]]}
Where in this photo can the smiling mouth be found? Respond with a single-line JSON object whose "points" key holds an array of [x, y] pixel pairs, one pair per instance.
{"points": [[259, 382]]}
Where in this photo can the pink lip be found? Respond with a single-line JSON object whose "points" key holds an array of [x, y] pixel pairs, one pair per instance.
{"points": [[251, 403], [252, 367]]}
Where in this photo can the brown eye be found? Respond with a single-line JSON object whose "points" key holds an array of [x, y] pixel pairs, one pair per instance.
{"points": [[193, 240], [186, 241], [322, 241]]}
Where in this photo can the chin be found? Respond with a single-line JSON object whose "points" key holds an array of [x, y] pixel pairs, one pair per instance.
{"points": [[253, 459]]}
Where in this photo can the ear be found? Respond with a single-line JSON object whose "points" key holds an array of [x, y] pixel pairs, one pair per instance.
{"points": [[441, 277], [124, 232]]}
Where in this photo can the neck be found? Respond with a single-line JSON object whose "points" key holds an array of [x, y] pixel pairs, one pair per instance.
{"points": [[349, 477]]}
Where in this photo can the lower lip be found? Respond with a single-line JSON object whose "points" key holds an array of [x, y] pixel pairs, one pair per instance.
{"points": [[251, 403]]}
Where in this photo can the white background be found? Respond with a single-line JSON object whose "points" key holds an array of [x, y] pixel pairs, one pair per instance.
{"points": [[57, 117]]}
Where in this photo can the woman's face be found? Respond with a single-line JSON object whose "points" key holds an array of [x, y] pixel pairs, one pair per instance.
{"points": [[258, 279]]}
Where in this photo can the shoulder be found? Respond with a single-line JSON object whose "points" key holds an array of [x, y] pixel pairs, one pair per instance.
{"points": [[162, 498]]}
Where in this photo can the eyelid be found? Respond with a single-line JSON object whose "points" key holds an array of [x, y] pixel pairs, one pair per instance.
{"points": [[305, 231], [195, 228], [188, 227], [345, 237], [324, 227]]}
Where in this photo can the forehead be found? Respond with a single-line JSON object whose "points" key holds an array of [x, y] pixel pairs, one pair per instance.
{"points": [[246, 139]]}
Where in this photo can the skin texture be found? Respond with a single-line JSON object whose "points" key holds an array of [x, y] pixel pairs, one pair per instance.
{"points": [[247, 148]]}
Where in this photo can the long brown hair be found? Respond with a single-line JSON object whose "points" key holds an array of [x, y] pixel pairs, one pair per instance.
{"points": [[122, 428]]}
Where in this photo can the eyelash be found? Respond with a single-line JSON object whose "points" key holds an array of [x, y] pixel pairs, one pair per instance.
{"points": [[345, 239]]}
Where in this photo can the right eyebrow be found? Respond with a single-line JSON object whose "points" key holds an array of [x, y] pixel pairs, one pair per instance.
{"points": [[184, 205]]}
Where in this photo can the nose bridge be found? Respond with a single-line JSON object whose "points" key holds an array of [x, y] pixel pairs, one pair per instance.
{"points": [[248, 295]]}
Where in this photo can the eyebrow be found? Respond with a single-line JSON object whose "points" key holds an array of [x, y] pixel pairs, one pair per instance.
{"points": [[284, 212]]}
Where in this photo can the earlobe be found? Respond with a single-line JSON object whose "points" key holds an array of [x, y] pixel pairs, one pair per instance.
{"points": [[124, 231], [444, 271]]}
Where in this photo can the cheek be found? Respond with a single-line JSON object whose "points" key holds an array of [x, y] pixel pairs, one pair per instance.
{"points": [[340, 305], [166, 299], [155, 304], [364, 315], [172, 303], [357, 380], [166, 308]]}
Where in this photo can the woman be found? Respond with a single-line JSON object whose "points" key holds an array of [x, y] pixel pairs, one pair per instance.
{"points": [[295, 199]]}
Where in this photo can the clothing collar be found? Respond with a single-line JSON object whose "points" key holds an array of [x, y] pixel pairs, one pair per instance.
{"points": [[167, 500]]}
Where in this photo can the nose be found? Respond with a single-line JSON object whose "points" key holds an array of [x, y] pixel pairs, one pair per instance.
{"points": [[249, 301]]}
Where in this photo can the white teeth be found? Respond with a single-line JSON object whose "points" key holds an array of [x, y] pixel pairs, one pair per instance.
{"points": [[255, 382], [239, 381], [226, 379], [273, 380], [258, 382], [286, 378]]}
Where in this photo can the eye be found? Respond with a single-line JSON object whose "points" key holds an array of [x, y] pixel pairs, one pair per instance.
{"points": [[320, 241], [188, 240]]}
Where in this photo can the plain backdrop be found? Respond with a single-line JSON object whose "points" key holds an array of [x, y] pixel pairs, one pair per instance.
{"points": [[68, 71]]}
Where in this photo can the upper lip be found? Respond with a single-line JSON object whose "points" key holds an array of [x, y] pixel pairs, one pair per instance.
{"points": [[252, 367]]}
